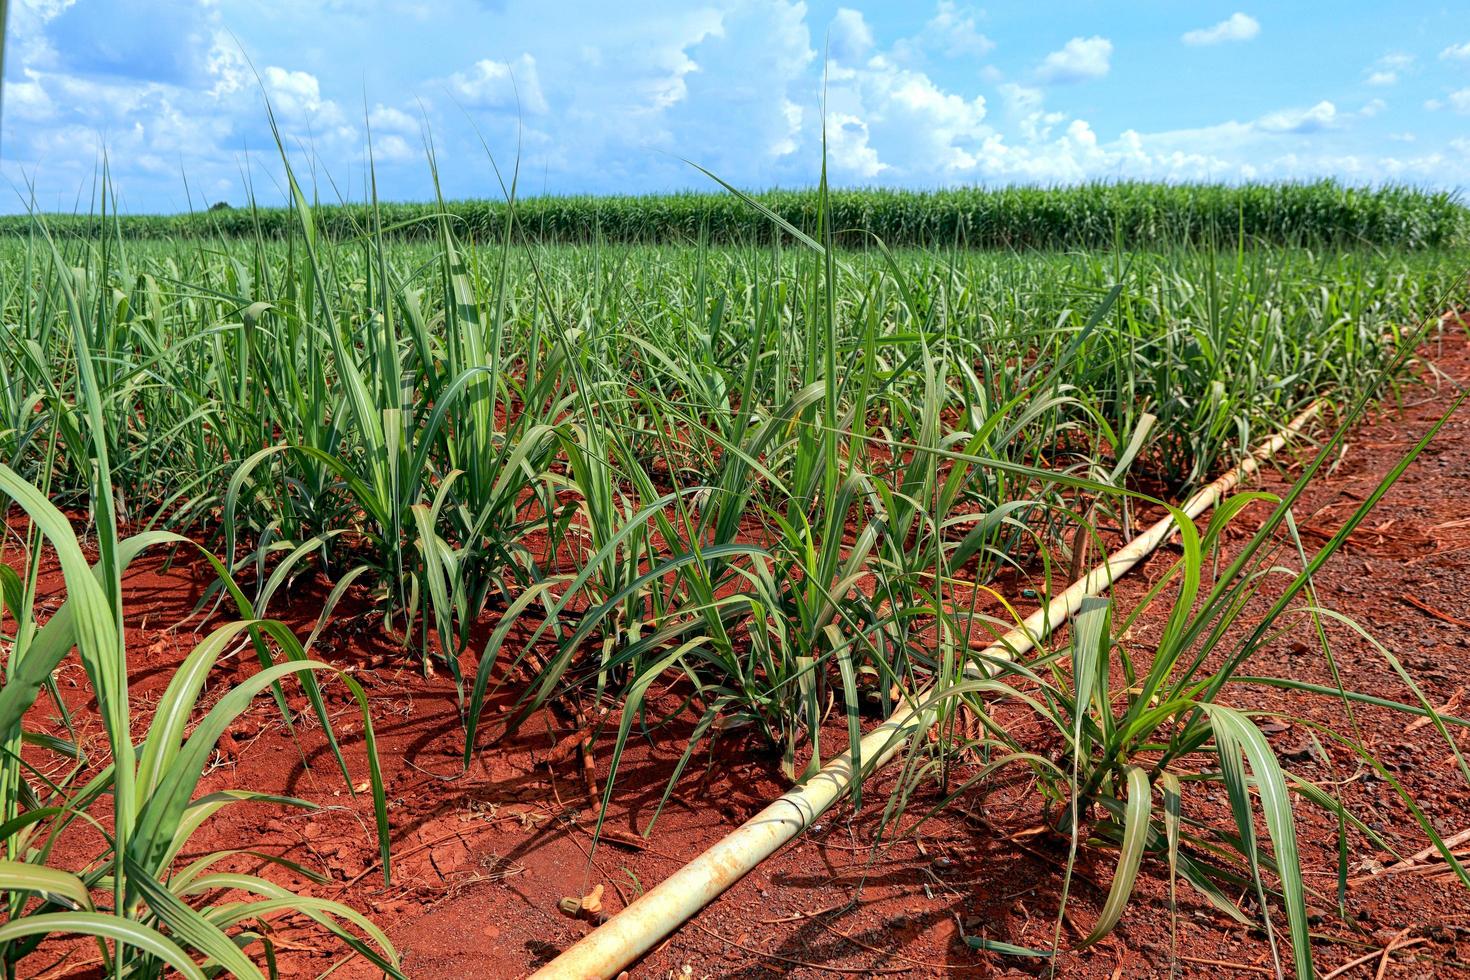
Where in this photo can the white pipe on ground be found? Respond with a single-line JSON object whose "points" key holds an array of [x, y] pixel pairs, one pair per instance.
{"points": [[606, 950]]}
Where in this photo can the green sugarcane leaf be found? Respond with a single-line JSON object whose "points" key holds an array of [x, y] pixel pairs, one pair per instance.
{"points": [[1130, 854], [103, 926]]}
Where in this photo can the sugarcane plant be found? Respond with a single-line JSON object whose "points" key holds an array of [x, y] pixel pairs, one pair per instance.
{"points": [[138, 802], [1133, 731]]}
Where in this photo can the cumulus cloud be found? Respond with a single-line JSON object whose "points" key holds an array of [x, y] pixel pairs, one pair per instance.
{"points": [[389, 119], [953, 32], [1026, 107], [786, 143], [1314, 119], [490, 84], [226, 66], [293, 91], [1320, 116], [918, 125], [296, 98], [1456, 52], [757, 64], [1080, 59], [1236, 27], [848, 149], [393, 148], [849, 38]]}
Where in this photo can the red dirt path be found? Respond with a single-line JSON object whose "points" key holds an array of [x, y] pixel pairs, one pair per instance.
{"points": [[482, 857]]}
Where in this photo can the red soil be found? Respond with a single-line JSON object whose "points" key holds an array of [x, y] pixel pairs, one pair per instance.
{"points": [[482, 857]]}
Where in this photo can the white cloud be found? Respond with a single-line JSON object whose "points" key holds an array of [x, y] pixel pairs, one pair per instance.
{"points": [[490, 84], [754, 64], [850, 38], [295, 89], [1236, 27], [1456, 52], [668, 86], [1324, 115], [787, 143], [1320, 116], [1080, 134], [918, 126], [1414, 168], [28, 99], [297, 96], [1026, 106], [952, 32], [1458, 100], [1080, 59], [226, 65], [146, 129], [1388, 69], [386, 118], [848, 150], [393, 148], [26, 37]]}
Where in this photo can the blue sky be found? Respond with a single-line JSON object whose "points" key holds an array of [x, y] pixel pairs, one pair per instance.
{"points": [[608, 97]]}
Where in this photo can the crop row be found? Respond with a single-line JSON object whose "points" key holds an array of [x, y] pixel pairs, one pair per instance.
{"points": [[1097, 215]]}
